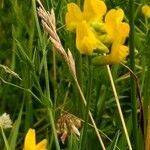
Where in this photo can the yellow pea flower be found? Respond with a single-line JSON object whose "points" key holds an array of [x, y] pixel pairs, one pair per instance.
{"points": [[118, 51], [118, 54], [146, 10], [117, 31], [93, 10], [114, 26], [30, 142], [81, 22], [86, 41]]}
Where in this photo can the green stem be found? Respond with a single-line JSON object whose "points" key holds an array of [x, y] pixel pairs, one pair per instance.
{"points": [[55, 77], [146, 101], [50, 110], [132, 66], [85, 129], [80, 79], [53, 128], [37, 21], [27, 98], [47, 79], [5, 139]]}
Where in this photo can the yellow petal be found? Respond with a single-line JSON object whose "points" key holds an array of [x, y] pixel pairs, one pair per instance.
{"points": [[110, 30], [30, 141], [146, 10], [122, 32], [86, 41], [123, 29], [114, 16], [114, 25], [94, 9], [73, 16], [118, 54], [42, 145]]}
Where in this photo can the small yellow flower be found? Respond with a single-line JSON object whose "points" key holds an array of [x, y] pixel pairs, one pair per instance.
{"points": [[93, 11], [118, 54], [30, 142], [117, 31], [146, 10], [86, 41]]}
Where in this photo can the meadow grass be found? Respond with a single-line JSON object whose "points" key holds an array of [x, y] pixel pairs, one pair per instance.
{"points": [[50, 87]]}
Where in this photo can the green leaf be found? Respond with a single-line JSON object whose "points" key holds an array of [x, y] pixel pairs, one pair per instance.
{"points": [[15, 131]]}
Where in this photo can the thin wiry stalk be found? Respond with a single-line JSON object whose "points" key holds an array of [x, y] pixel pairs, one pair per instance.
{"points": [[54, 74], [90, 115], [119, 108]]}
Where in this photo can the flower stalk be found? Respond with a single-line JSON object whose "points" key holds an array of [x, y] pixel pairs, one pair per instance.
{"points": [[119, 107]]}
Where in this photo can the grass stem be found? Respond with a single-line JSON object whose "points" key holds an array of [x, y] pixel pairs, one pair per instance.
{"points": [[119, 108], [90, 115]]}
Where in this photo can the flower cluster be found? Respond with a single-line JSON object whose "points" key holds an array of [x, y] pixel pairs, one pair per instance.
{"points": [[5, 121], [66, 125], [98, 29]]}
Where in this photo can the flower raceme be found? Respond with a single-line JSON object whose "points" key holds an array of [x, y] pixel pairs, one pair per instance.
{"points": [[93, 11], [30, 142], [97, 29]]}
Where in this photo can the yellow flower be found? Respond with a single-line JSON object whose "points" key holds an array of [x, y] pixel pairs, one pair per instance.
{"points": [[93, 33], [114, 26], [146, 10], [117, 31], [30, 142], [93, 11], [118, 54], [86, 41]]}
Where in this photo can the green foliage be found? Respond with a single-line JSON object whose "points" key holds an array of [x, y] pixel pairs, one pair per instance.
{"points": [[43, 87]]}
